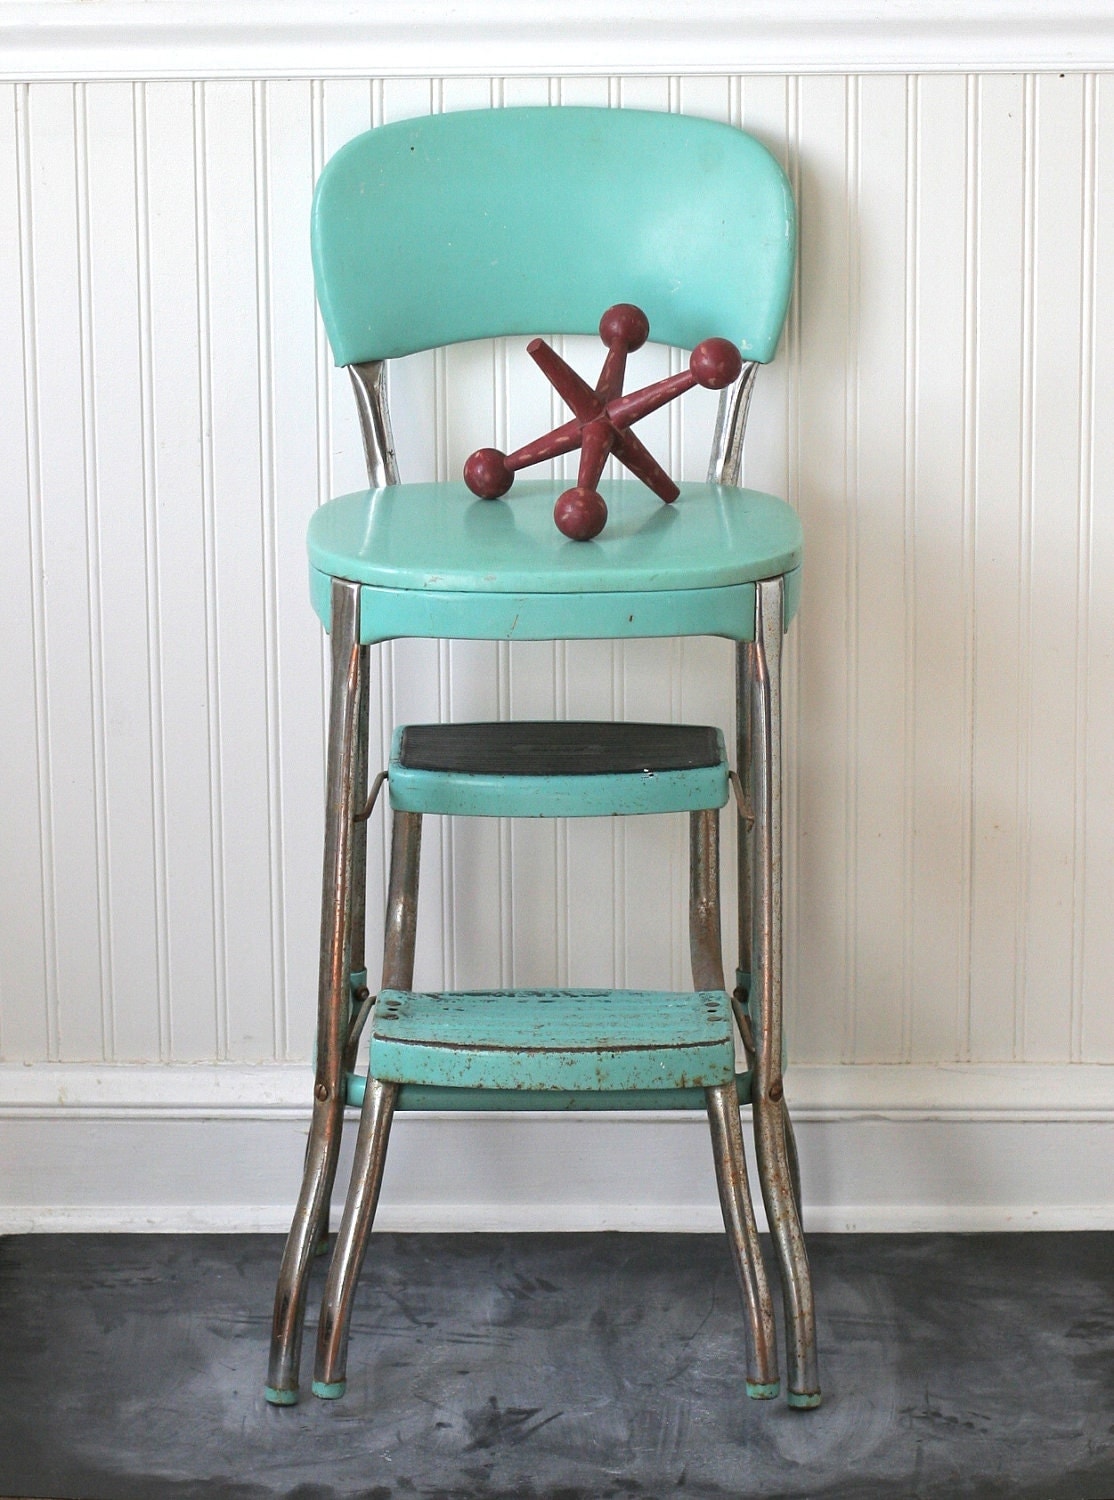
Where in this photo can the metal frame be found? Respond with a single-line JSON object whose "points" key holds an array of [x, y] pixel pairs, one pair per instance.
{"points": [[758, 718], [344, 1001], [706, 946], [369, 381], [726, 462], [340, 909], [375, 1120]]}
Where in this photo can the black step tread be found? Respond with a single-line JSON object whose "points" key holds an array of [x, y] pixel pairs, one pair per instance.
{"points": [[559, 748]]}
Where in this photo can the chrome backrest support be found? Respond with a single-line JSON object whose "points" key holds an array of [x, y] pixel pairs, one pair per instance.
{"points": [[726, 462], [369, 381]]}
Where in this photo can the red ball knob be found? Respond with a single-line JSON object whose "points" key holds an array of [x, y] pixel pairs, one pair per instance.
{"points": [[486, 473], [715, 363], [626, 322], [580, 514]]}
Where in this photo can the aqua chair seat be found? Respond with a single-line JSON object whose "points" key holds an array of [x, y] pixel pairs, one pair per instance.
{"points": [[553, 1039], [556, 770], [437, 561]]}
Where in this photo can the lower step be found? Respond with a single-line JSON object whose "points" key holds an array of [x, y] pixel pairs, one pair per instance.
{"points": [[560, 1040]]}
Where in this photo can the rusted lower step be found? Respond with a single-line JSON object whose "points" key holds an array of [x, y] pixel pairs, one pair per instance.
{"points": [[564, 1040]]}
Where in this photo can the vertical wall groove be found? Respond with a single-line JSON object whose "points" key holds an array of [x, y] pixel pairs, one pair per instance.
{"points": [[265, 354], [29, 316], [851, 212], [1025, 548], [94, 568], [970, 469], [153, 610], [212, 603], [909, 567], [1084, 579]]}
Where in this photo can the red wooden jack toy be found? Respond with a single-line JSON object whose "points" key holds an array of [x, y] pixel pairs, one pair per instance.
{"points": [[601, 421]]}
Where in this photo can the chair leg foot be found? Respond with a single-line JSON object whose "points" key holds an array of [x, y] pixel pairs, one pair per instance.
{"points": [[774, 1171], [742, 1233], [279, 1398], [764, 1391], [293, 1278], [352, 1238]]}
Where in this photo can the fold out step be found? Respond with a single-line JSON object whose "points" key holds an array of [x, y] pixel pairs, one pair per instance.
{"points": [[557, 769]]}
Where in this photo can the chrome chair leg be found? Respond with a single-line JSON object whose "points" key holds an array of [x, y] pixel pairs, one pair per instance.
{"points": [[706, 946], [357, 964], [375, 1123], [359, 839], [791, 1156], [767, 1095], [742, 1234], [333, 1004], [331, 1361]]}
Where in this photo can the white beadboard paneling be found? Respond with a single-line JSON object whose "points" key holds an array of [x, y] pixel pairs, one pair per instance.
{"points": [[1096, 900], [26, 906], [297, 683], [878, 189], [1084, 572], [936, 582], [122, 684], [174, 416], [63, 397], [1057, 261], [231, 378], [1001, 279], [825, 643], [938, 414]]}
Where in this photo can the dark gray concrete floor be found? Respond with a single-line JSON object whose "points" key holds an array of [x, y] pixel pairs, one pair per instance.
{"points": [[556, 1367]]}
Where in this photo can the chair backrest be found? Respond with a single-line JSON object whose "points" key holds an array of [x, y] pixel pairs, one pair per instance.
{"points": [[523, 221]]}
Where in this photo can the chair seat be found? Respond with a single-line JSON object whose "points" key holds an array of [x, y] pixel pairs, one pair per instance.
{"points": [[553, 1039], [557, 770], [438, 540]]}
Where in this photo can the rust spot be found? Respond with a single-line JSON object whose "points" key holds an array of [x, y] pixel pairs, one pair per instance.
{"points": [[322, 1091], [776, 1091]]}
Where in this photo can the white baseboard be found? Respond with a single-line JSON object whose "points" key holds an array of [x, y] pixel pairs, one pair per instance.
{"points": [[151, 1148]]}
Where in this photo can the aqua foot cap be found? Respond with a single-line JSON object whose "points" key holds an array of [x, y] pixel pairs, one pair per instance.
{"points": [[280, 1398], [804, 1400], [763, 1390], [329, 1390]]}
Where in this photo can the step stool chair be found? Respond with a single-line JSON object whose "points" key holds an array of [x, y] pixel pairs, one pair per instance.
{"points": [[506, 222]]}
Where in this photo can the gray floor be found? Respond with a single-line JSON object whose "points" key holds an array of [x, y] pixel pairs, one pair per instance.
{"points": [[555, 1367]]}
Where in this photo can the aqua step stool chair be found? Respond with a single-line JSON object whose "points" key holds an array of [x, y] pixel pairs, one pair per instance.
{"points": [[509, 222]]}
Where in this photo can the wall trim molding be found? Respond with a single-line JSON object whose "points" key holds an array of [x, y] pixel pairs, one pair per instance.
{"points": [[1004, 1092], [146, 1148], [96, 39]]}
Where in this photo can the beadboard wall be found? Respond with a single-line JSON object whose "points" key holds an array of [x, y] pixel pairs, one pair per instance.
{"points": [[941, 415]]}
